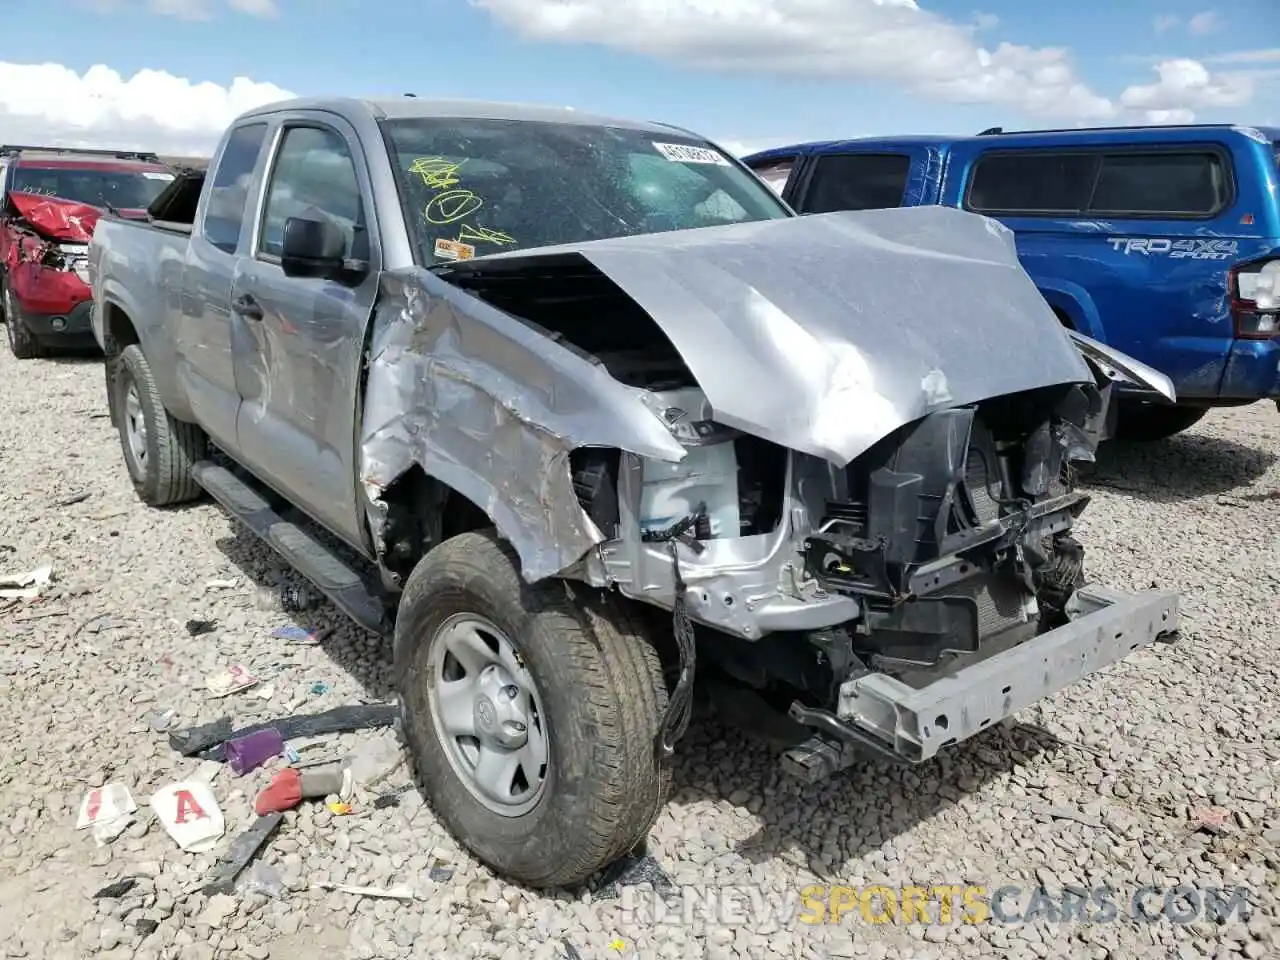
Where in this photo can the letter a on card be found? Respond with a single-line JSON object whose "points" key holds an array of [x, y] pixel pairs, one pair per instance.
{"points": [[190, 814]]}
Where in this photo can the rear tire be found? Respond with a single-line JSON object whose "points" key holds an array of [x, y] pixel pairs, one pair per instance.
{"points": [[597, 682], [1155, 421], [159, 451], [23, 344]]}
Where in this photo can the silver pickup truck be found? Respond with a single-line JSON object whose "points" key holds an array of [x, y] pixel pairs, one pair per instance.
{"points": [[572, 405]]}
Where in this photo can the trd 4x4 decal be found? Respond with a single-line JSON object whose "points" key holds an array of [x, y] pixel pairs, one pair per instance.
{"points": [[1196, 249]]}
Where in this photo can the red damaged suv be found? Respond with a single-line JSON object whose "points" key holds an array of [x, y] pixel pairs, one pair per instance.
{"points": [[50, 201]]}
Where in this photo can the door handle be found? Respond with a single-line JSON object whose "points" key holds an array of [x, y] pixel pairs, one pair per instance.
{"points": [[246, 306]]}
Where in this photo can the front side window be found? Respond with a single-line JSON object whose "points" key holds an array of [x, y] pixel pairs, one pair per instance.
{"points": [[857, 182], [314, 178], [97, 187], [230, 190], [472, 187]]}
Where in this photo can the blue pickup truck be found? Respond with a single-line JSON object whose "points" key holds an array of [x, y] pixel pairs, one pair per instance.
{"points": [[1163, 242]]}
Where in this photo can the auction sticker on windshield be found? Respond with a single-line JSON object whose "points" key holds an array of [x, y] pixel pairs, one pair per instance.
{"points": [[454, 250], [683, 153]]}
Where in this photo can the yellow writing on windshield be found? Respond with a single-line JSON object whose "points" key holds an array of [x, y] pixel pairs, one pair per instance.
{"points": [[453, 204], [437, 173], [472, 234]]}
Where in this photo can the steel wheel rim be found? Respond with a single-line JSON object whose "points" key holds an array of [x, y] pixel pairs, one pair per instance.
{"points": [[488, 715], [135, 426]]}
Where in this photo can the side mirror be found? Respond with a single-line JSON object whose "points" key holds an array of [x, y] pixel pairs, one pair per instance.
{"points": [[312, 248]]}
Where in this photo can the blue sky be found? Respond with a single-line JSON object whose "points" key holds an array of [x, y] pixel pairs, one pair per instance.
{"points": [[752, 71]]}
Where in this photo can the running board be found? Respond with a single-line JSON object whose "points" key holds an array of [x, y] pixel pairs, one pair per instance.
{"points": [[335, 579]]}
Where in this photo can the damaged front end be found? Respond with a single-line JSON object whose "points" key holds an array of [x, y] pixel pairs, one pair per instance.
{"points": [[46, 257], [848, 440]]}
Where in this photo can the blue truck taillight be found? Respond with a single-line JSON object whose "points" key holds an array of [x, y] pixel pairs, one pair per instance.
{"points": [[1255, 300]]}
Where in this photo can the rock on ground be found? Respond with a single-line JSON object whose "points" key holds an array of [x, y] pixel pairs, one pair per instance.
{"points": [[1098, 786]]}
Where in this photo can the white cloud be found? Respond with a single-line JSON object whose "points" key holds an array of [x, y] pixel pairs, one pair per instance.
{"points": [[893, 41], [256, 8], [986, 21], [52, 105], [1185, 86], [1165, 22], [1269, 55], [1203, 24], [182, 9]]}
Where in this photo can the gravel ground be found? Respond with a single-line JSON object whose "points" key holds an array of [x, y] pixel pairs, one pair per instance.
{"points": [[1099, 786]]}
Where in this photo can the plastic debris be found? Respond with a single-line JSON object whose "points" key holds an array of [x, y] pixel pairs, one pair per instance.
{"points": [[264, 879], [630, 871], [249, 752], [25, 586], [392, 893], [207, 741], [194, 740], [339, 809], [299, 635], [198, 628], [617, 945], [287, 598], [288, 788], [222, 584], [291, 754], [232, 680], [190, 815], [441, 873], [108, 810], [319, 688], [114, 891], [243, 849], [391, 798]]}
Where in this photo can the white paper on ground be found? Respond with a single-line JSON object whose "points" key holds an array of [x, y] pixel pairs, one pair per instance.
{"points": [[190, 814]]}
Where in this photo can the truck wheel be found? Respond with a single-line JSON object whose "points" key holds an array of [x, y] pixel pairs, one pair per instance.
{"points": [[159, 451], [531, 713], [1155, 421], [22, 342]]}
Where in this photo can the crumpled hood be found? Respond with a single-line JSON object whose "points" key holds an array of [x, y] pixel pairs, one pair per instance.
{"points": [[57, 219], [826, 333]]}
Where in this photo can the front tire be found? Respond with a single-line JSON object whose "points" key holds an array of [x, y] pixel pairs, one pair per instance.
{"points": [[574, 671], [23, 344], [1156, 421], [159, 451]]}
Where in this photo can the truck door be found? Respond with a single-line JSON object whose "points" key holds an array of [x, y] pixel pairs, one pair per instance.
{"points": [[298, 370], [198, 308]]}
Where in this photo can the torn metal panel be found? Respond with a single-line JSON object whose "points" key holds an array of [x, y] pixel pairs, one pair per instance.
{"points": [[57, 219], [1124, 368], [825, 333], [491, 407]]}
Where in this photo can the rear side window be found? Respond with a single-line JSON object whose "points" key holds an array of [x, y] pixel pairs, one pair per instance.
{"points": [[776, 173], [230, 190], [1181, 184], [863, 181], [1152, 184], [1029, 182]]}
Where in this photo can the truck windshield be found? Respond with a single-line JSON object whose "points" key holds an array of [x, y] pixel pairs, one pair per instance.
{"points": [[473, 187], [122, 189]]}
